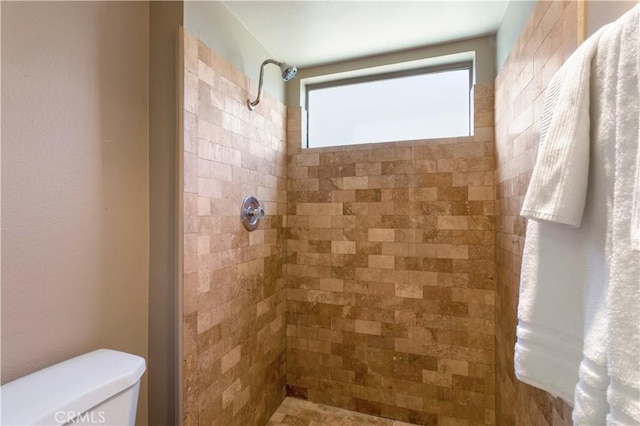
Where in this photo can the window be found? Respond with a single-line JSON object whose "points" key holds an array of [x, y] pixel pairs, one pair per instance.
{"points": [[424, 104]]}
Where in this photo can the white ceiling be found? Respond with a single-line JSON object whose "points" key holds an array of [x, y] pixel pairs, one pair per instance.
{"points": [[307, 33]]}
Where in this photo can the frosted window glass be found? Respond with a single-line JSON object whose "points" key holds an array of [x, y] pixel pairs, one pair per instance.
{"points": [[423, 106]]}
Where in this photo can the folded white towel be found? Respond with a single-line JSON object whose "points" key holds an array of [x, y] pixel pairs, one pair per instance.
{"points": [[590, 404], [549, 345], [635, 209], [558, 260], [624, 289]]}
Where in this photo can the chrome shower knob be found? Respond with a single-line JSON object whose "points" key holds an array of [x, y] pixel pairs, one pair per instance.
{"points": [[257, 212], [251, 213]]}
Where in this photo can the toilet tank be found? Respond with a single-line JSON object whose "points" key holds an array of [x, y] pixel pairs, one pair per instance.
{"points": [[97, 388]]}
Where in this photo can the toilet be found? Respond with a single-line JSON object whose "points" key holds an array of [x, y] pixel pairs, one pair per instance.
{"points": [[97, 388]]}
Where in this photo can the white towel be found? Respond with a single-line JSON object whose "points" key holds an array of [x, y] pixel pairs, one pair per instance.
{"points": [[549, 345], [635, 212], [624, 290], [590, 405], [559, 260], [558, 187], [589, 180], [635, 209]]}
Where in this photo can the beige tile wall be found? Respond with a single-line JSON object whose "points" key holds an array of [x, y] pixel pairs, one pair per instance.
{"points": [[390, 263], [233, 346], [546, 41]]}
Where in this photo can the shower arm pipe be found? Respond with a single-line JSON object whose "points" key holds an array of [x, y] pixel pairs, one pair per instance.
{"points": [[250, 104]]}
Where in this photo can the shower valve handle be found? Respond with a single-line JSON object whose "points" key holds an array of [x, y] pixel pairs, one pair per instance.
{"points": [[251, 213], [257, 212]]}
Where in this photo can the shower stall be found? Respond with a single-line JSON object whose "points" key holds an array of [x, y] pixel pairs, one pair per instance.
{"points": [[368, 284]]}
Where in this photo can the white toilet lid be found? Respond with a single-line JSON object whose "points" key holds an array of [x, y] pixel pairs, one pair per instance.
{"points": [[75, 385]]}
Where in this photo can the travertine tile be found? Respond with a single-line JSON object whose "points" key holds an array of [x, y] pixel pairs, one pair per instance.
{"points": [[233, 284], [294, 412], [405, 224], [549, 36]]}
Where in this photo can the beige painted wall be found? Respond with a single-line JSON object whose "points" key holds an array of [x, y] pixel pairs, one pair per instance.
{"points": [[600, 13], [74, 182]]}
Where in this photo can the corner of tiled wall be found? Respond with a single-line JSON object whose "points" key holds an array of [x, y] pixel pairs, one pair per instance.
{"points": [[548, 38], [233, 283]]}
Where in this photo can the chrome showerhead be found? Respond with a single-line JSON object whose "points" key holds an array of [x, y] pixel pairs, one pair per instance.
{"points": [[288, 72]]}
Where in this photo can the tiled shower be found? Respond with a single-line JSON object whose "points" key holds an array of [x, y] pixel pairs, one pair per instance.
{"points": [[389, 268], [384, 277]]}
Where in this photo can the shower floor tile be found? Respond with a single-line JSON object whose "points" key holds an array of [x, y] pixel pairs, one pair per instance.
{"points": [[298, 412]]}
